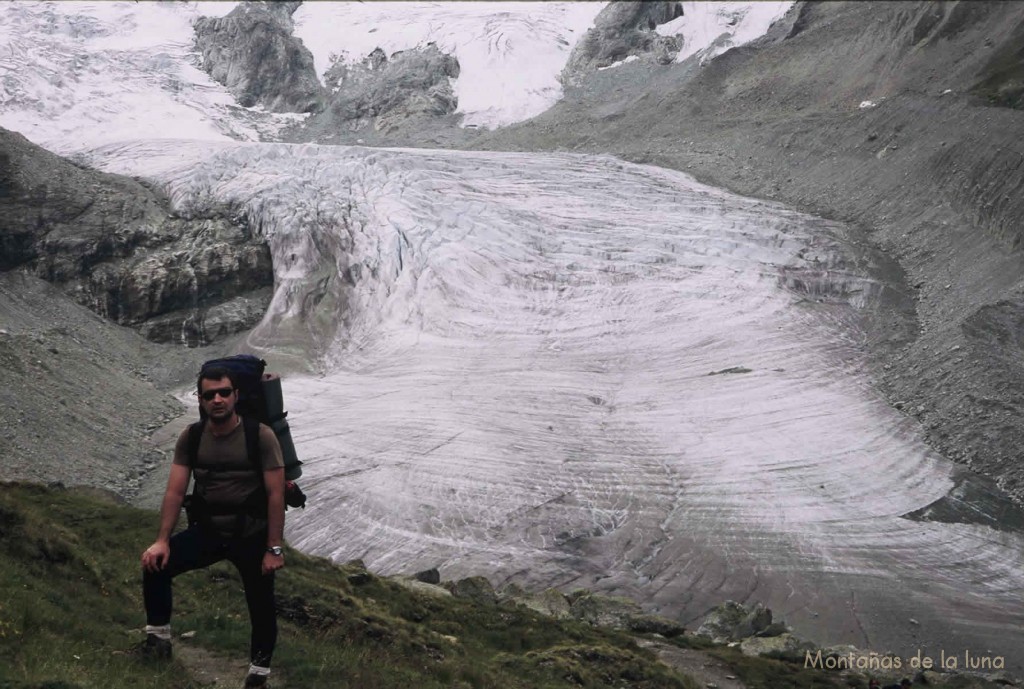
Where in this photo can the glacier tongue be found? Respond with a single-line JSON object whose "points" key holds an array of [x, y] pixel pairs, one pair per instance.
{"points": [[517, 354]]}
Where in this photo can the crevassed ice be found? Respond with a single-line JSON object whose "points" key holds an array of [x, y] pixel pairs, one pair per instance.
{"points": [[75, 75]]}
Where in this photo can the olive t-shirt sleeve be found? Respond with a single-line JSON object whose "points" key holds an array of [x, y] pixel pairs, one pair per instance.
{"points": [[270, 449], [181, 449]]}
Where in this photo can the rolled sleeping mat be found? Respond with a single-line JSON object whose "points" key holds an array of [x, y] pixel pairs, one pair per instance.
{"points": [[274, 398]]}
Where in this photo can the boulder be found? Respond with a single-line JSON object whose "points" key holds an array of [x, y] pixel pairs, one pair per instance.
{"points": [[603, 611], [476, 589], [550, 602], [721, 623], [356, 572], [428, 576], [784, 643], [755, 622], [774, 629]]}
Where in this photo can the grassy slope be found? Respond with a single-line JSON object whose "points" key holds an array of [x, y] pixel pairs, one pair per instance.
{"points": [[72, 606], [68, 567]]}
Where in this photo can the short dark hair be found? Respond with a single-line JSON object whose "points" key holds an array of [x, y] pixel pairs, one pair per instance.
{"points": [[214, 373]]}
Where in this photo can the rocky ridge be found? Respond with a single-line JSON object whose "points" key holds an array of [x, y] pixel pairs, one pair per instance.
{"points": [[253, 53], [622, 30], [403, 96], [116, 246], [382, 92]]}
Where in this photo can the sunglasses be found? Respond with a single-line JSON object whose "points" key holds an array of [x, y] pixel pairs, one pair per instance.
{"points": [[208, 395]]}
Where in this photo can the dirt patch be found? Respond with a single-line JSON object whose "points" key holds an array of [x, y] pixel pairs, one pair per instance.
{"points": [[705, 669], [208, 669]]}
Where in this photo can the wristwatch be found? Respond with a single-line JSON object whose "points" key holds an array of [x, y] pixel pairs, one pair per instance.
{"points": [[276, 550]]}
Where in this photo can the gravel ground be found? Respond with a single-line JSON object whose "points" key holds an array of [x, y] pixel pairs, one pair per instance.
{"points": [[78, 391]]}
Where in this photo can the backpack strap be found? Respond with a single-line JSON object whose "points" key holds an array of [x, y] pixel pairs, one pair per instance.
{"points": [[195, 434], [251, 427], [256, 503]]}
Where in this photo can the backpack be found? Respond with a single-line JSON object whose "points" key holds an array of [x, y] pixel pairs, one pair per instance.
{"points": [[260, 400]]}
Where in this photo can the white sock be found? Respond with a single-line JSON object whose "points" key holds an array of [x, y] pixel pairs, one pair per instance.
{"points": [[257, 670], [161, 632]]}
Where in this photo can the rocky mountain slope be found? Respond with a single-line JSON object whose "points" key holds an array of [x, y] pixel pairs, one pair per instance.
{"points": [[902, 119], [82, 388], [116, 247]]}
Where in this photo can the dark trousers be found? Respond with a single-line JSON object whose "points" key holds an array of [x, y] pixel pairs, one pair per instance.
{"points": [[198, 547]]}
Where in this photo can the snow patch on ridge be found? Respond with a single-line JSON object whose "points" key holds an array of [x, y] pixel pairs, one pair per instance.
{"points": [[711, 28], [510, 53]]}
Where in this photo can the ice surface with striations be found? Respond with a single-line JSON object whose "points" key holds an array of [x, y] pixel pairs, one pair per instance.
{"points": [[571, 371]]}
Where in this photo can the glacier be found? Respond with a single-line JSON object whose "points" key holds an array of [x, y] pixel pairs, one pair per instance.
{"points": [[570, 371]]}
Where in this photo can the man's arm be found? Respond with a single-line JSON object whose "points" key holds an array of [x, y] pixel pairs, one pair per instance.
{"points": [[273, 479], [155, 556]]}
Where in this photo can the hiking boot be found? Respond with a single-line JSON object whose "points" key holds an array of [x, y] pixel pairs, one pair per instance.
{"points": [[153, 648], [252, 681]]}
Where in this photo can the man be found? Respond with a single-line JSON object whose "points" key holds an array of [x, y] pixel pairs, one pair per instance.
{"points": [[237, 515]]}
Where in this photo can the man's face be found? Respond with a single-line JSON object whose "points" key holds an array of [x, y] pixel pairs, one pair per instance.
{"points": [[218, 398]]}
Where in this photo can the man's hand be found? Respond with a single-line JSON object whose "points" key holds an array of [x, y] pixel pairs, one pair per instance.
{"points": [[272, 563], [155, 557]]}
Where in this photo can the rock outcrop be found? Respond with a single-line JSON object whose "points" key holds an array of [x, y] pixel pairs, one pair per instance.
{"points": [[114, 246], [383, 95], [476, 589], [384, 100], [732, 621], [594, 609], [621, 30], [253, 53]]}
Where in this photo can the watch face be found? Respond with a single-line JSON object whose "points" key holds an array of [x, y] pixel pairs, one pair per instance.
{"points": [[276, 550]]}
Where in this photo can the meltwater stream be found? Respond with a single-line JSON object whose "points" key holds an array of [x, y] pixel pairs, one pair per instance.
{"points": [[562, 370]]}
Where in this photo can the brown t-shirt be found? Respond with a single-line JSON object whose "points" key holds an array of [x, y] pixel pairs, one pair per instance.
{"points": [[223, 473]]}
